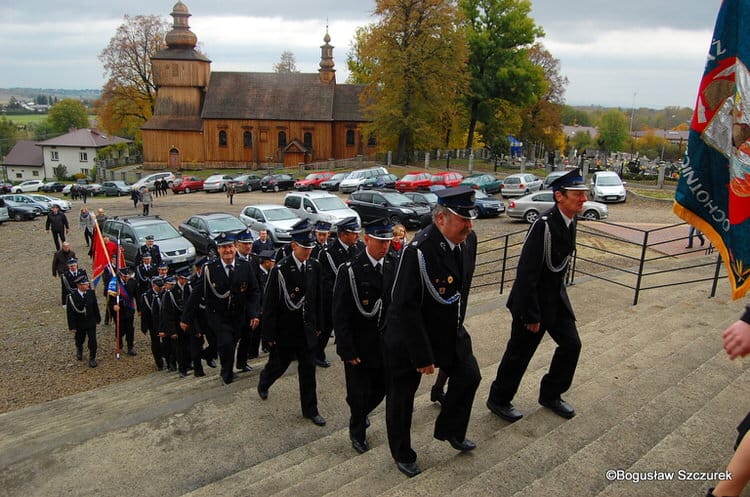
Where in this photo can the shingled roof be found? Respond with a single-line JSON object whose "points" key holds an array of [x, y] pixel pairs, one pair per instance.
{"points": [[25, 153], [279, 97], [83, 138]]}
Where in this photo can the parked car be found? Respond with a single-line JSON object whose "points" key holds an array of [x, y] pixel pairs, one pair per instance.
{"points": [[202, 229], [411, 182], [552, 177], [606, 186], [217, 183], [447, 179], [4, 215], [487, 205], [93, 189], [276, 219], [63, 204], [372, 204], [21, 212], [175, 249], [277, 182], [52, 187], [30, 185], [148, 181], [358, 176], [332, 184], [529, 207], [115, 188], [486, 182], [312, 180], [21, 198], [425, 198], [383, 181], [520, 184], [246, 183], [187, 184], [318, 206]]}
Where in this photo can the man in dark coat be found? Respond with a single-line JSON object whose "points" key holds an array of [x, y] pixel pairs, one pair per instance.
{"points": [[232, 298], [425, 327], [291, 311], [244, 245], [150, 310], [143, 274], [60, 265], [83, 316], [359, 314], [262, 243], [198, 332], [539, 302], [345, 248], [70, 276], [58, 224], [150, 248], [266, 262], [123, 292], [322, 237]]}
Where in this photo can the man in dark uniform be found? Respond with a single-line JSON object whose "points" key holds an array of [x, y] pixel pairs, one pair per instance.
{"points": [[60, 265], [244, 246], [150, 308], [71, 275], [198, 333], [322, 236], [290, 321], [173, 303], [267, 260], [425, 327], [122, 295], [539, 302], [143, 274], [83, 316], [232, 297], [149, 248], [359, 314], [345, 248]]}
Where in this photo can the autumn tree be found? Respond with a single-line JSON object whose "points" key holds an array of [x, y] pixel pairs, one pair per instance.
{"points": [[129, 94], [413, 63], [66, 114], [499, 34], [287, 63], [7, 136], [613, 130]]}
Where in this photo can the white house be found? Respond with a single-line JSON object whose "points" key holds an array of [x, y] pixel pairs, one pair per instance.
{"points": [[24, 161], [75, 150]]}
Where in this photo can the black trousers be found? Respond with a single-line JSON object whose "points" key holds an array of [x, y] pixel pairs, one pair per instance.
{"points": [[243, 345], [157, 348], [81, 335], [88, 236], [127, 328], [63, 290], [519, 351], [365, 390], [58, 237], [279, 359], [401, 385], [226, 330], [323, 338]]}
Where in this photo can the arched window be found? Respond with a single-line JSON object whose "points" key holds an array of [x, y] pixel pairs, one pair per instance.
{"points": [[308, 140], [282, 139], [222, 138], [247, 139], [350, 137]]}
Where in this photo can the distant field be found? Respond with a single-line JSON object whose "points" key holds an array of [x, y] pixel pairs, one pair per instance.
{"points": [[26, 118]]}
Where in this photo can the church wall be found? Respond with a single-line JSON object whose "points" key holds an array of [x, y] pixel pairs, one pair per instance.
{"points": [[158, 143]]}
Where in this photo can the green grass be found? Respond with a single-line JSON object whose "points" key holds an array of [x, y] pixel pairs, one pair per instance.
{"points": [[26, 118]]}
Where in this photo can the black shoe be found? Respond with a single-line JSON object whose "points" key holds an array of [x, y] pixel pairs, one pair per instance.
{"points": [[246, 368], [360, 447], [183, 374], [367, 422], [199, 374], [505, 411], [262, 392], [410, 469], [464, 445], [318, 420], [93, 363], [226, 381], [131, 351], [234, 376], [559, 407], [211, 363], [79, 355], [160, 367], [437, 395], [323, 363]]}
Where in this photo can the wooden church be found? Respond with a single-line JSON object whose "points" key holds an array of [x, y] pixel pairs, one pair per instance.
{"points": [[245, 120]]}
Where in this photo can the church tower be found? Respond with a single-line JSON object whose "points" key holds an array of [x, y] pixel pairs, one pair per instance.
{"points": [[326, 71]]}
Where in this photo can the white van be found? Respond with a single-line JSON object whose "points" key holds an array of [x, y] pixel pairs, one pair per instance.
{"points": [[606, 186], [358, 176], [148, 181]]}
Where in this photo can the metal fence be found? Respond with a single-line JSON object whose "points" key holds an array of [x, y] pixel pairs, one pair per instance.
{"points": [[637, 259]]}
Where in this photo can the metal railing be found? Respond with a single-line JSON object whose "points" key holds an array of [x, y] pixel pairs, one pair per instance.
{"points": [[634, 258]]}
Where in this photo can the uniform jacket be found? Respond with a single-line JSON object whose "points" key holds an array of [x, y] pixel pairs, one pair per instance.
{"points": [[154, 251], [423, 330], [82, 311], [292, 327], [131, 288], [357, 335], [60, 261], [70, 279], [241, 304], [150, 308], [538, 293], [173, 305], [331, 257], [259, 246]]}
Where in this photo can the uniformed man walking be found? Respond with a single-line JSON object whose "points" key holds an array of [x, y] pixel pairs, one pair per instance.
{"points": [[144, 272], [150, 310], [425, 327], [83, 316], [290, 320], [244, 246], [539, 302], [60, 265], [359, 314], [122, 291], [322, 237], [150, 248], [71, 275]]}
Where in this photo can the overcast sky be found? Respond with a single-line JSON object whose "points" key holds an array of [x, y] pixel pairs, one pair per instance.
{"points": [[647, 53]]}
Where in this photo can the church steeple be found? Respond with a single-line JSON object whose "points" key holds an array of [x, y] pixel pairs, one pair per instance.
{"points": [[326, 71], [181, 36]]}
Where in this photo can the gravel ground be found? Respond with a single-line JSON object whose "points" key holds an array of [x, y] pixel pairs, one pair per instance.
{"points": [[39, 350]]}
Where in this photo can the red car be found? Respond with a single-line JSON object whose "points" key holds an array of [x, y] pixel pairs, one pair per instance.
{"points": [[411, 182], [312, 180], [447, 179], [187, 184]]}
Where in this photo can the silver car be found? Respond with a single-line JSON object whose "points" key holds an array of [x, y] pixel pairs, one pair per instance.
{"points": [[276, 219], [519, 184], [530, 207], [63, 204], [217, 183]]}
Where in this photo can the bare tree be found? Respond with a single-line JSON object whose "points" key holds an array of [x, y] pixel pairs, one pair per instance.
{"points": [[286, 64]]}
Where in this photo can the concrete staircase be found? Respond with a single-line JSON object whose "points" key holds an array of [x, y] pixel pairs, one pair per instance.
{"points": [[653, 390]]}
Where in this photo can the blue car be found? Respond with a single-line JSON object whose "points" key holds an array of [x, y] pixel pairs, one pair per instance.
{"points": [[488, 206]]}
